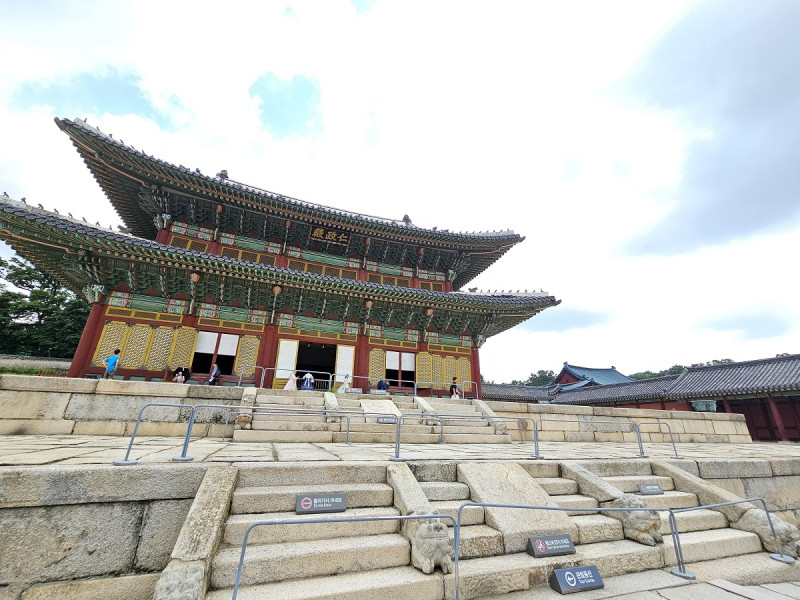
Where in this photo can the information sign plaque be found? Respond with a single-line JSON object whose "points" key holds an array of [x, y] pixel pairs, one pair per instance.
{"points": [[650, 489], [550, 545], [576, 579], [387, 420], [309, 504]]}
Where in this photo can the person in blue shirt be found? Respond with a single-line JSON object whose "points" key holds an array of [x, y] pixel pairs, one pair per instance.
{"points": [[111, 364], [382, 385]]}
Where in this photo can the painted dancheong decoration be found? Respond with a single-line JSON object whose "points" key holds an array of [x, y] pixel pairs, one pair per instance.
{"points": [[207, 271]]}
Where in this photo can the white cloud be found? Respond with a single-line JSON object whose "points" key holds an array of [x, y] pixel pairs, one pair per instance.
{"points": [[464, 115]]}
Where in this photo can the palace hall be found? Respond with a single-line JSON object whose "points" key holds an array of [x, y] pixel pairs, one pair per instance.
{"points": [[207, 270]]}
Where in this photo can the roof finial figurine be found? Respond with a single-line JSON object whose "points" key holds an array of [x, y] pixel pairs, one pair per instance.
{"points": [[5, 194], [23, 200], [223, 174], [55, 210], [40, 206], [70, 215]]}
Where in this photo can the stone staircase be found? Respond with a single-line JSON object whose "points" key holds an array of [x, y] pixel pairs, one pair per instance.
{"points": [[705, 534], [364, 428], [316, 560], [486, 569]]}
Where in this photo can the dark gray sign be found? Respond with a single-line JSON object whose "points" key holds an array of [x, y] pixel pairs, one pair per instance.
{"points": [[576, 579], [649, 489], [389, 420], [550, 545], [307, 504]]}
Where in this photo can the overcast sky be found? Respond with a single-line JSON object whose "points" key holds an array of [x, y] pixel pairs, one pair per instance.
{"points": [[647, 151]]}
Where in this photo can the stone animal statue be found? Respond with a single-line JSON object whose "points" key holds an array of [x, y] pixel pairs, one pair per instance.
{"points": [[640, 526], [755, 520], [430, 546]]}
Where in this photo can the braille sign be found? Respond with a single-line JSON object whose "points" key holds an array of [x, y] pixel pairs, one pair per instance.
{"points": [[576, 579], [550, 545], [649, 489], [307, 504]]}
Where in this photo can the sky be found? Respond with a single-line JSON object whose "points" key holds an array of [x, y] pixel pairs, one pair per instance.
{"points": [[647, 151]]}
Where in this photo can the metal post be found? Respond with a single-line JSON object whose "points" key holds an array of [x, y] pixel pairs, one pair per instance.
{"points": [[639, 438], [399, 427], [536, 439], [680, 570], [183, 456]]}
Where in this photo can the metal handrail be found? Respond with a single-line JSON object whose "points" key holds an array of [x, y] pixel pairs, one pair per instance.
{"points": [[775, 555], [673, 526], [132, 461], [240, 567], [631, 424], [263, 373], [347, 415], [669, 429]]}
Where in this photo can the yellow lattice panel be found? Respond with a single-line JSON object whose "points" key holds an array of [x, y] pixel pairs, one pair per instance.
{"points": [[182, 348], [136, 348], [377, 365], [449, 369], [159, 349], [113, 311], [436, 371], [113, 337], [423, 367], [465, 373], [454, 349], [246, 355]]}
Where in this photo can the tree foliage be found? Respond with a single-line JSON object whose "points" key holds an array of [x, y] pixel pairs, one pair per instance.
{"points": [[541, 377], [678, 369], [43, 318]]}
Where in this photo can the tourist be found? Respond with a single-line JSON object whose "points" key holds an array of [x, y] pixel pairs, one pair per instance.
{"points": [[291, 383], [343, 389], [215, 374], [454, 390], [383, 386], [111, 364], [179, 378], [308, 382]]}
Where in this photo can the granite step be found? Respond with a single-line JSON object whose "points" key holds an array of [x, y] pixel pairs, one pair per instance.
{"points": [[478, 541], [576, 501], [268, 425], [711, 545], [445, 490], [615, 468], [383, 584], [310, 473], [473, 438], [278, 562], [695, 520], [282, 498], [237, 524], [367, 437], [540, 468], [670, 499], [471, 515], [269, 399], [263, 436], [597, 528], [558, 486], [628, 483]]}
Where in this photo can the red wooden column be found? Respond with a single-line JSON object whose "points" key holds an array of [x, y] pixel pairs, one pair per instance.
{"points": [[475, 366], [361, 362], [726, 405], [89, 339], [776, 418], [267, 353], [163, 236]]}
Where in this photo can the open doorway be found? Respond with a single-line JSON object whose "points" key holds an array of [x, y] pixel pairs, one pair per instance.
{"points": [[316, 358]]}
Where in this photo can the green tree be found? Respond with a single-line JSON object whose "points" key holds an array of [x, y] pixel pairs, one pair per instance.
{"points": [[43, 318], [541, 377], [673, 370]]}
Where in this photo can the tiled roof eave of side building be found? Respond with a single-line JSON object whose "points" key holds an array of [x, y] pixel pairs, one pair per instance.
{"points": [[23, 215]]}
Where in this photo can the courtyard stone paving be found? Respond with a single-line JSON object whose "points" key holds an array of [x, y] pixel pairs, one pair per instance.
{"points": [[22, 450]]}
